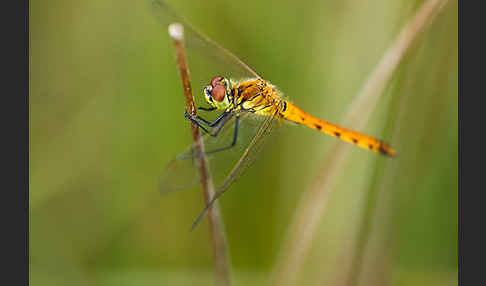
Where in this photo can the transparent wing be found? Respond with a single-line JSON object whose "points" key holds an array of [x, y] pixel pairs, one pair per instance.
{"points": [[182, 172], [250, 154], [206, 59]]}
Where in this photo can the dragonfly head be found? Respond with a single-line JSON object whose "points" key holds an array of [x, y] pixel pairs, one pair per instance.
{"points": [[217, 92]]}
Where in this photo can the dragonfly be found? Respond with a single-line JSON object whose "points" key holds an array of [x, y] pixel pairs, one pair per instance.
{"points": [[241, 98]]}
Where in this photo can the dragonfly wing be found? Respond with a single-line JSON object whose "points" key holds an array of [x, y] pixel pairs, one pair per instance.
{"points": [[250, 154], [182, 172], [178, 175], [205, 56]]}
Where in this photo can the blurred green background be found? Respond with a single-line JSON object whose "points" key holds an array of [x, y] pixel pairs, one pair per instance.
{"points": [[106, 115]]}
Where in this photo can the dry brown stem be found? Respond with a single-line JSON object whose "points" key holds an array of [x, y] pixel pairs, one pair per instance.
{"points": [[216, 226]]}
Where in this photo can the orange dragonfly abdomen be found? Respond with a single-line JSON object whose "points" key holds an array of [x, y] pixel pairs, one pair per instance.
{"points": [[293, 113]]}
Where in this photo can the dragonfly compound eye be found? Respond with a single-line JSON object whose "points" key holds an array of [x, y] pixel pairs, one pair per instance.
{"points": [[219, 92], [216, 80]]}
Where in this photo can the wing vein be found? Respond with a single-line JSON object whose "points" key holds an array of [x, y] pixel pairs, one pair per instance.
{"points": [[245, 160]]}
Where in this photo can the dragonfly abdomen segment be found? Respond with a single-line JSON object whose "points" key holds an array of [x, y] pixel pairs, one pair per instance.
{"points": [[291, 112]]}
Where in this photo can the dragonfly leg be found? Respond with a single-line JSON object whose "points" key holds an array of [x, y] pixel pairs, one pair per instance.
{"points": [[218, 128], [233, 143], [201, 121], [217, 125], [220, 122], [203, 129]]}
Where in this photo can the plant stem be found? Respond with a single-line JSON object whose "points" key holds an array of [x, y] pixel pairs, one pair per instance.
{"points": [[216, 226]]}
